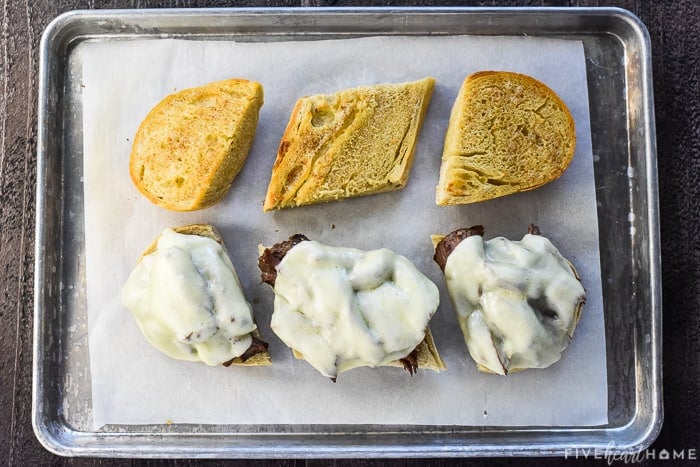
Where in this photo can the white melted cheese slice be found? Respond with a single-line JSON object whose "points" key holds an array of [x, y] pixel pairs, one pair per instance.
{"points": [[343, 308], [517, 302], [187, 300]]}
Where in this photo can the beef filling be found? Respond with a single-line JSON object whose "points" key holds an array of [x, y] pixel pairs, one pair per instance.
{"points": [[272, 256], [410, 362], [256, 347], [450, 242], [533, 229]]}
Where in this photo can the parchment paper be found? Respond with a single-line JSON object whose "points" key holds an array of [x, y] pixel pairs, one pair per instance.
{"points": [[133, 383]]}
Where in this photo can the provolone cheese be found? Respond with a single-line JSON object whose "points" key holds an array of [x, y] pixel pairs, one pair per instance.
{"points": [[188, 302], [342, 307], [517, 302]]}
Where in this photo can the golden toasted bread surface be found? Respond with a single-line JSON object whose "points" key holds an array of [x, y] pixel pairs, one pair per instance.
{"points": [[354, 142], [193, 143], [507, 133]]}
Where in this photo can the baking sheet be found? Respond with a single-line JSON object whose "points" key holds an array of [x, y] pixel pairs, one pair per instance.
{"points": [[136, 384]]}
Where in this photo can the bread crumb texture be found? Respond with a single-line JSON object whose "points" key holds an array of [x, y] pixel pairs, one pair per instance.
{"points": [[507, 133], [355, 142], [192, 144]]}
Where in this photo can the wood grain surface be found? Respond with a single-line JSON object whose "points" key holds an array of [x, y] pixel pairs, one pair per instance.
{"points": [[674, 29]]}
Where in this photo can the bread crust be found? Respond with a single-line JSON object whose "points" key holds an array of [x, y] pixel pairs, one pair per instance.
{"points": [[192, 144], [205, 230], [507, 133], [427, 356], [355, 142]]}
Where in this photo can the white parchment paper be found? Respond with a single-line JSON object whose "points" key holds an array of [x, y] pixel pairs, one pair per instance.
{"points": [[133, 383]]}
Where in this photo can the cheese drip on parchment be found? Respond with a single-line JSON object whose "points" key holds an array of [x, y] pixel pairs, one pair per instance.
{"points": [[187, 300], [343, 308], [517, 302]]}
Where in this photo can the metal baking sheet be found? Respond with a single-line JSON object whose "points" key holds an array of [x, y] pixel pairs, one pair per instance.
{"points": [[617, 53]]}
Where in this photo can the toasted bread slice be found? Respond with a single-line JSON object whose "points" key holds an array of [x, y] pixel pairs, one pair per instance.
{"points": [[193, 143], [355, 142], [507, 133], [261, 358]]}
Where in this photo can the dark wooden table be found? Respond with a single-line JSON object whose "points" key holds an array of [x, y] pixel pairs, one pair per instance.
{"points": [[674, 27]]}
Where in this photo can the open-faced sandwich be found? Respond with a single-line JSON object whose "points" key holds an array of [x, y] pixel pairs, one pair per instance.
{"points": [[187, 300], [517, 302], [340, 308]]}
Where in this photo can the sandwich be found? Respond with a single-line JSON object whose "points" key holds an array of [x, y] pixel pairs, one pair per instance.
{"points": [[517, 302], [340, 308], [187, 300]]}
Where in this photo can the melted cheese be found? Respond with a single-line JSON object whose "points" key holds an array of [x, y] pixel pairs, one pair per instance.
{"points": [[517, 302], [342, 308], [188, 302]]}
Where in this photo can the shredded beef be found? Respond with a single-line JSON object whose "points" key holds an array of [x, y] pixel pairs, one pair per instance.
{"points": [[450, 242], [272, 256], [533, 229], [256, 347], [410, 362]]}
